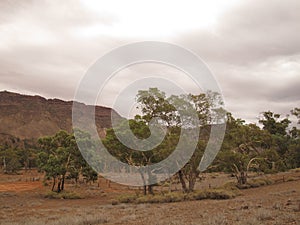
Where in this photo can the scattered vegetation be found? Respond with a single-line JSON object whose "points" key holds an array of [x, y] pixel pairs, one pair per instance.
{"points": [[246, 148], [179, 196]]}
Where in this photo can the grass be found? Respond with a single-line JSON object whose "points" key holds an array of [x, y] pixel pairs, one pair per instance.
{"points": [[178, 196], [62, 195], [264, 214], [291, 179], [65, 220], [228, 190]]}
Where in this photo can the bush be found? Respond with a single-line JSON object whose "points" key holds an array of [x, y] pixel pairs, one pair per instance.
{"points": [[254, 183], [174, 197], [169, 197], [219, 194], [291, 179], [127, 198], [197, 195], [296, 170], [151, 199], [259, 182], [62, 195]]}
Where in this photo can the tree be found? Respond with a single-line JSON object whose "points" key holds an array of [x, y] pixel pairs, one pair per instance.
{"points": [[293, 153], [296, 112], [60, 156], [153, 104], [278, 128], [56, 157], [244, 148], [10, 160], [131, 156], [272, 123], [175, 113]]}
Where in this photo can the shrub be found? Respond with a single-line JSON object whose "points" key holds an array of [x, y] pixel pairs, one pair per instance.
{"points": [[219, 194], [254, 183], [151, 199], [296, 170], [127, 198], [197, 195], [174, 197], [291, 179], [259, 182]]}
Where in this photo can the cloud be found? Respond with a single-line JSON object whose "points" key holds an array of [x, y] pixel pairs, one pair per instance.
{"points": [[40, 50], [253, 50], [249, 33]]}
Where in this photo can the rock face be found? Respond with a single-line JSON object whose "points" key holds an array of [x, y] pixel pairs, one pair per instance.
{"points": [[32, 117]]}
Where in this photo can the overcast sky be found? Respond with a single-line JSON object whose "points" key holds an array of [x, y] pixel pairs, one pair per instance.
{"points": [[252, 47]]}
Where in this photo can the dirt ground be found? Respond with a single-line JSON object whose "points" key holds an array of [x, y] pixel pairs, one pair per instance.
{"points": [[22, 202]]}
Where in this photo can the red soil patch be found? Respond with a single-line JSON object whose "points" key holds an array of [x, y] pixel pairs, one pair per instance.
{"points": [[20, 186]]}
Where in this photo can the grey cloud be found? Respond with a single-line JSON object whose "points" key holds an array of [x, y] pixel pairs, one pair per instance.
{"points": [[251, 32], [288, 93], [245, 51], [51, 68], [53, 13]]}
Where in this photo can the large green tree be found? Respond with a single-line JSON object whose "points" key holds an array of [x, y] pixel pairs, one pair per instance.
{"points": [[175, 114], [60, 157]]}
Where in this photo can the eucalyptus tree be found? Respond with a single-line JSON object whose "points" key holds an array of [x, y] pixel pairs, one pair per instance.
{"points": [[175, 114], [60, 156]]}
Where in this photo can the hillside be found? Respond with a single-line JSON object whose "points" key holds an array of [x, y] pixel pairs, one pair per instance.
{"points": [[30, 117]]}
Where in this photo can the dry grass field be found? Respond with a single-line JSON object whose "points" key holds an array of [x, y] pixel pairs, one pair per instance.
{"points": [[22, 201]]}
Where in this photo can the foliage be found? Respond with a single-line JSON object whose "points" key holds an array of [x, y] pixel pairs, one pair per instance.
{"points": [[10, 160], [60, 157], [246, 147], [273, 147], [272, 123]]}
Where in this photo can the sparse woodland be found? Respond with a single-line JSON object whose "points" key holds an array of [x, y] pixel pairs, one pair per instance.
{"points": [[272, 147]]}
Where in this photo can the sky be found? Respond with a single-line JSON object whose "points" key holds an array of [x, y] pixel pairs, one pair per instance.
{"points": [[251, 46]]}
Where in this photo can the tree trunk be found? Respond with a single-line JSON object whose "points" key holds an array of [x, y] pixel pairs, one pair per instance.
{"points": [[192, 182], [54, 182], [4, 165], [26, 165], [59, 185], [244, 177], [144, 182], [63, 183], [241, 178], [183, 184], [150, 189]]}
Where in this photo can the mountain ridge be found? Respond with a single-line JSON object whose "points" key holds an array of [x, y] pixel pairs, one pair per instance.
{"points": [[33, 116]]}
